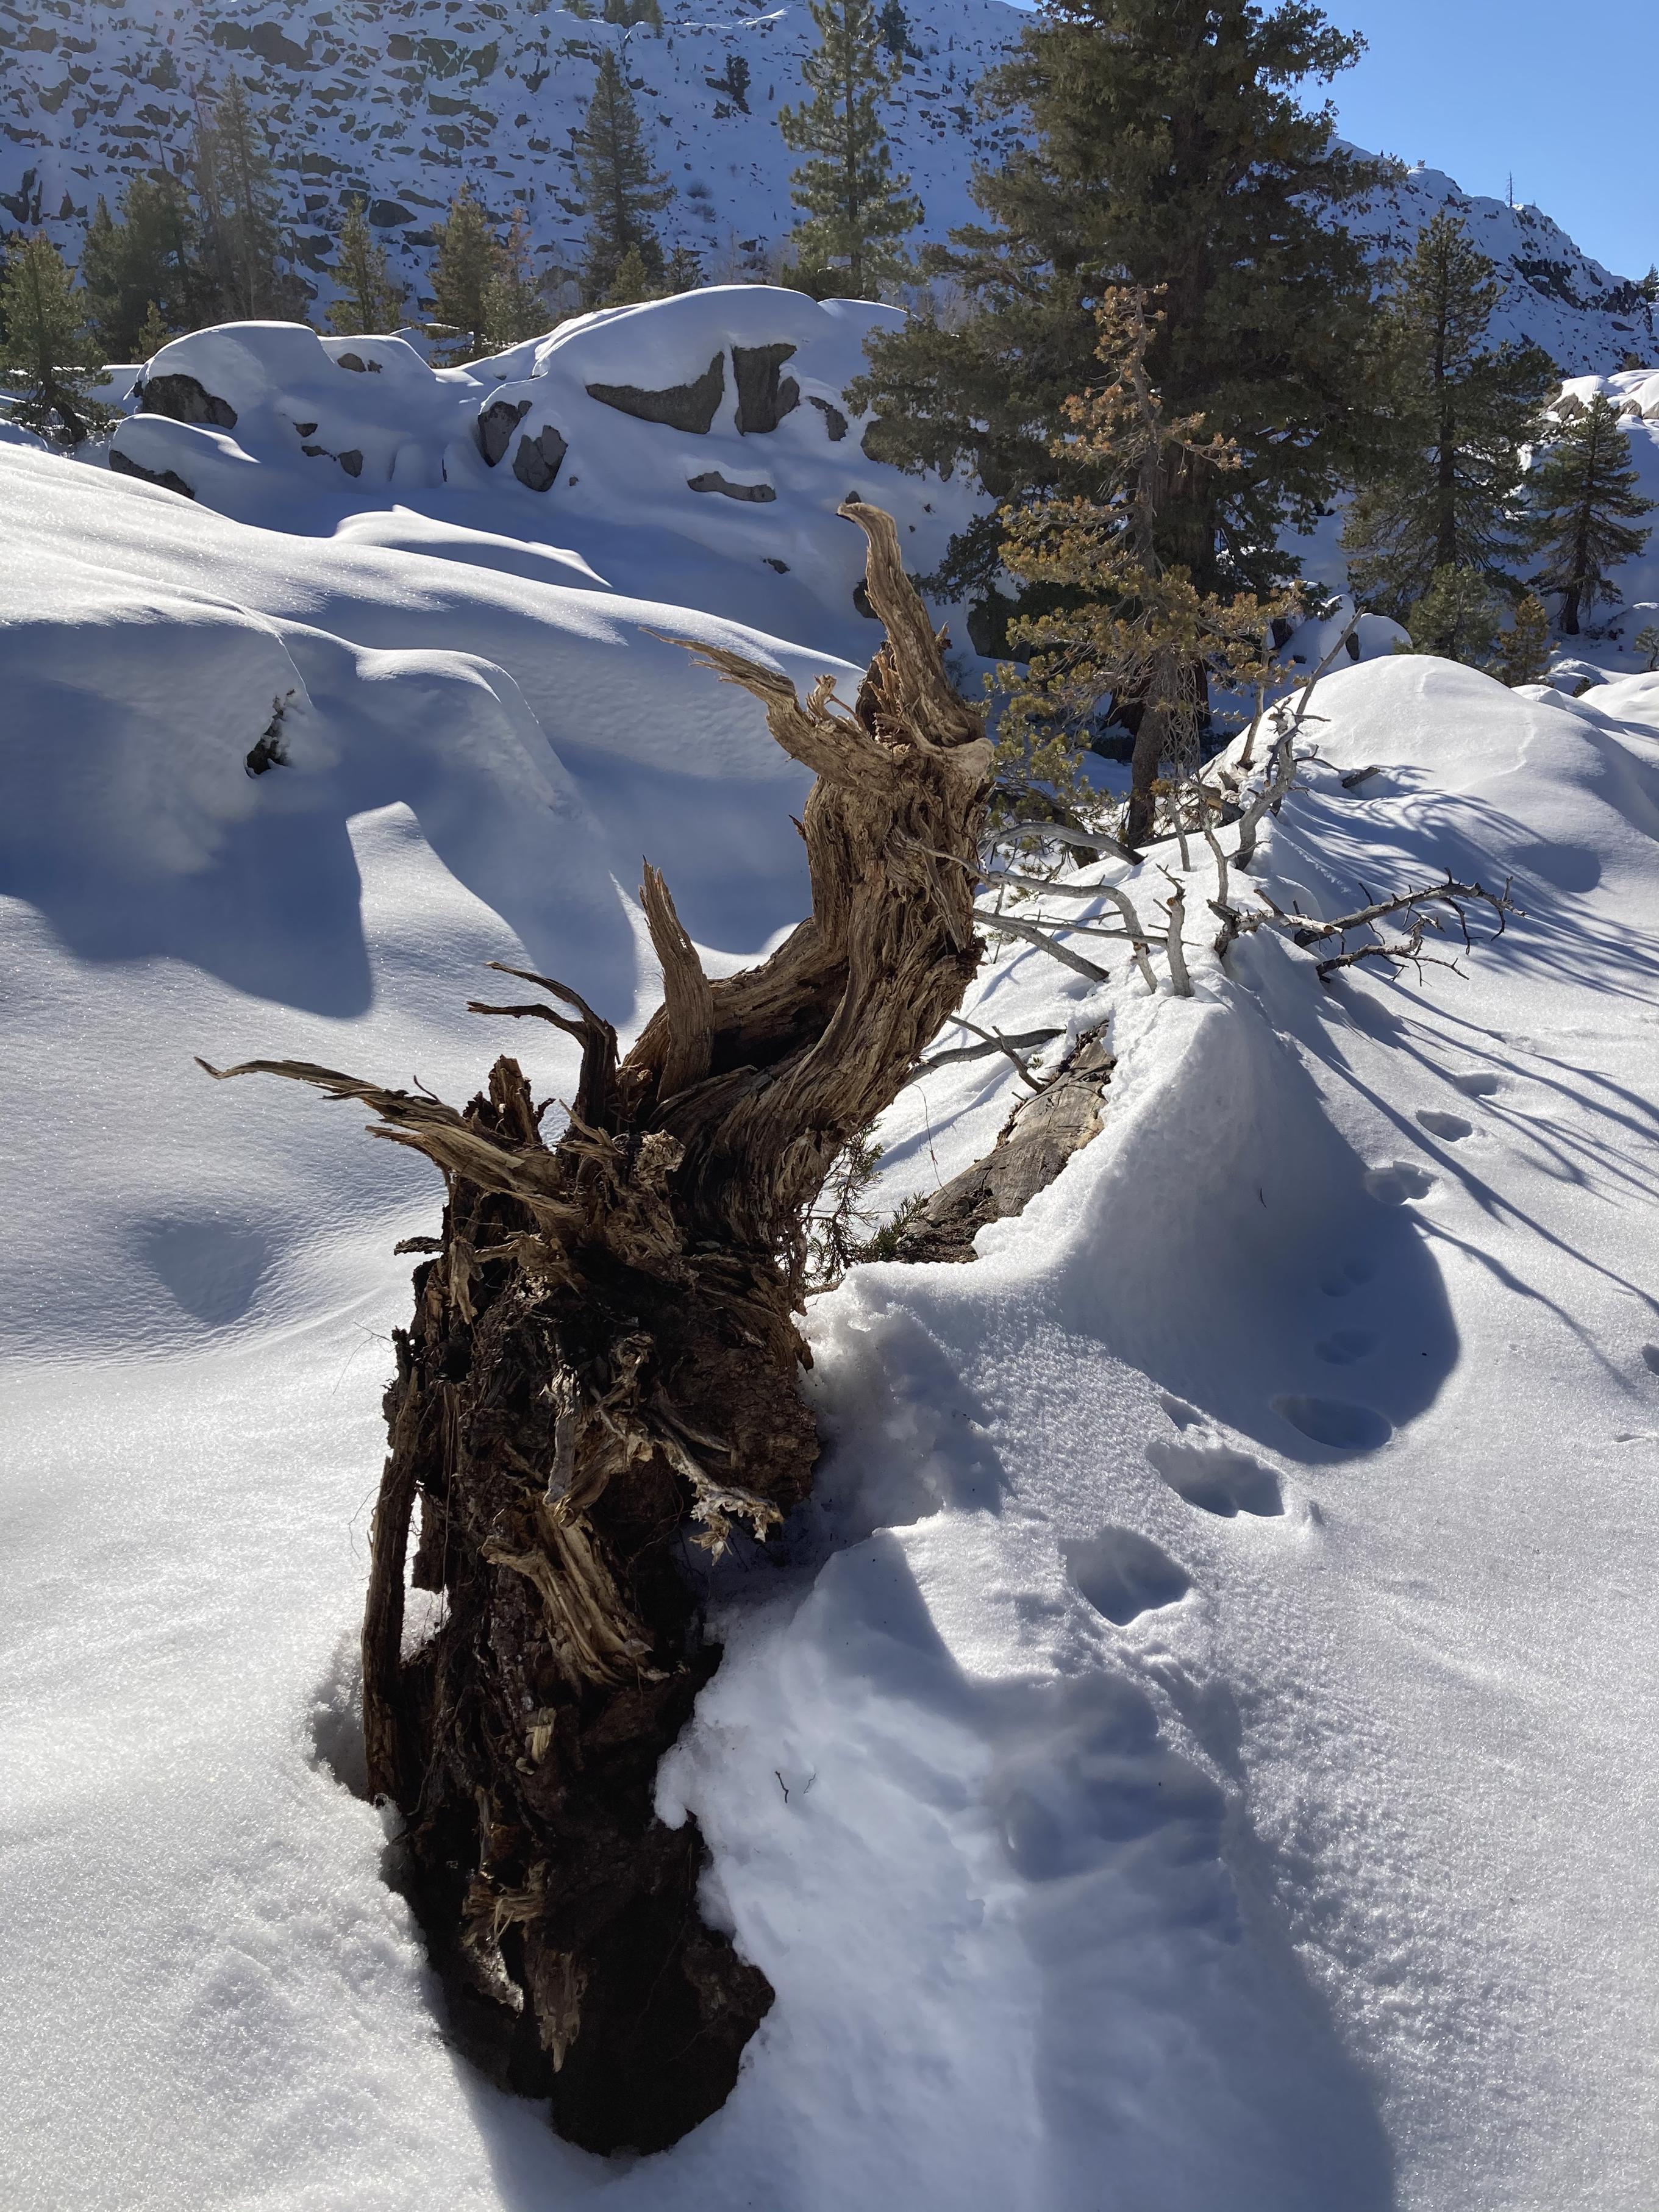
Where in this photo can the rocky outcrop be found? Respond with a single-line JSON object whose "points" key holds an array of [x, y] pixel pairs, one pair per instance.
{"points": [[184, 400], [680, 406], [765, 396], [712, 480], [538, 459]]}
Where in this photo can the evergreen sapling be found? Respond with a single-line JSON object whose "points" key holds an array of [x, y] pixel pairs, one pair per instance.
{"points": [[49, 359]]}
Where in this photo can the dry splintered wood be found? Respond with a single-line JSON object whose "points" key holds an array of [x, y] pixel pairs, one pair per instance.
{"points": [[602, 1364]]}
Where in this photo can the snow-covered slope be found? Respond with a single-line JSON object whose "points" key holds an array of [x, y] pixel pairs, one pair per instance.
{"points": [[1197, 1752], [1585, 318], [401, 102]]}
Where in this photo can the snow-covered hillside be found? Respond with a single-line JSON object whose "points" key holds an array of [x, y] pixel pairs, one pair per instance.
{"points": [[402, 102], [1196, 1753], [698, 447]]}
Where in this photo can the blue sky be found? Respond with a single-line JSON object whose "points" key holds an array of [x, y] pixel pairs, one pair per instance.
{"points": [[1482, 88]]}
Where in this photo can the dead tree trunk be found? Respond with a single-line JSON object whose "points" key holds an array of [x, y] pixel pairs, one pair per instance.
{"points": [[603, 1359]]}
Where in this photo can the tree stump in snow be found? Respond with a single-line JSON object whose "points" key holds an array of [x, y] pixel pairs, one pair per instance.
{"points": [[603, 1361]]}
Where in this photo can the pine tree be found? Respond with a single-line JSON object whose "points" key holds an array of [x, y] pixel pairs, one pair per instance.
{"points": [[620, 190], [894, 25], [631, 283], [514, 308], [1446, 494], [1526, 655], [684, 272], [854, 210], [140, 265], [464, 272], [48, 357], [1124, 625], [1647, 641], [239, 215], [1163, 142], [371, 298], [1584, 499], [1458, 617]]}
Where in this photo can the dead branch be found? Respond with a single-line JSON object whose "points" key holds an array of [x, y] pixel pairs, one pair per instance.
{"points": [[1028, 1040], [1046, 942], [1176, 907]]}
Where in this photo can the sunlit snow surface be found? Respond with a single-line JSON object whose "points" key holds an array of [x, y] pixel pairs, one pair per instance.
{"points": [[1197, 1751]]}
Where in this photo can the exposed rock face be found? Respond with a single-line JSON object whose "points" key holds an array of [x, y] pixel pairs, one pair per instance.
{"points": [[495, 426], [123, 464], [834, 420], [712, 480], [764, 396], [538, 459], [184, 400], [681, 406]]}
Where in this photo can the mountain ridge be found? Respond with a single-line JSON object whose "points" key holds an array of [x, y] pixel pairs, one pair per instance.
{"points": [[400, 102]]}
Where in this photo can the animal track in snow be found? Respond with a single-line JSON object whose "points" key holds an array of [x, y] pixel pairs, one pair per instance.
{"points": [[1335, 1422], [1398, 1182], [1476, 1083], [1344, 1346], [1340, 1280], [1216, 1477], [1123, 1575], [1452, 1127]]}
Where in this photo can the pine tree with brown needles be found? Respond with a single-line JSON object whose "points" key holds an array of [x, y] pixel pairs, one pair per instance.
{"points": [[1127, 625]]}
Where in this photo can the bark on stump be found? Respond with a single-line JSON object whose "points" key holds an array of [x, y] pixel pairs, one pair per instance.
{"points": [[602, 1360]]}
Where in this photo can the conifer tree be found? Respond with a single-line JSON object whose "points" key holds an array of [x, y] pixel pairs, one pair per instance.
{"points": [[1458, 617], [620, 190], [371, 298], [464, 272], [1447, 494], [514, 306], [631, 283], [1122, 623], [684, 272], [1584, 500], [854, 210], [49, 358], [1526, 655], [894, 26], [1162, 143], [238, 213], [140, 265]]}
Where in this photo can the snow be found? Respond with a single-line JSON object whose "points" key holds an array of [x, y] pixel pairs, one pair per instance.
{"points": [[1193, 1750], [625, 500]]}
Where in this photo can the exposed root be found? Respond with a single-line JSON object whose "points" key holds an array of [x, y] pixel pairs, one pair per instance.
{"points": [[602, 1362]]}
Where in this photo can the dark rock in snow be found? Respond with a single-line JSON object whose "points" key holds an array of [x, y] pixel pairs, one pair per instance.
{"points": [[681, 406], [495, 426], [538, 459], [169, 479], [351, 461], [763, 397], [184, 400], [712, 480], [834, 420]]}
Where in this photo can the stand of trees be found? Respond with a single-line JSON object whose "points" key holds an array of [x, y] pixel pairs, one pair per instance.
{"points": [[1447, 494]]}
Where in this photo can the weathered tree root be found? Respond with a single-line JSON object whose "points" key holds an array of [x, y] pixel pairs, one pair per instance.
{"points": [[603, 1361]]}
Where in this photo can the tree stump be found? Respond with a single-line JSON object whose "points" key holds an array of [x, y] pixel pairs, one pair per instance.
{"points": [[602, 1361]]}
